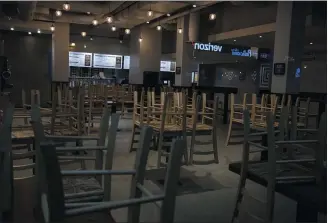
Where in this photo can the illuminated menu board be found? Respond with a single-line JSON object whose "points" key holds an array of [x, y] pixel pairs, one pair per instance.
{"points": [[80, 59], [168, 66], [107, 61], [126, 62]]}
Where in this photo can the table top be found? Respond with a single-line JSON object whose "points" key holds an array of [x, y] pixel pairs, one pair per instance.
{"points": [[307, 193]]}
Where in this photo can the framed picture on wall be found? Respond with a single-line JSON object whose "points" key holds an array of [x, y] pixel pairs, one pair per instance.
{"points": [[242, 75], [279, 68]]}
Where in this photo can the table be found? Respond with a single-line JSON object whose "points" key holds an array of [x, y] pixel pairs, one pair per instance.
{"points": [[310, 198]]}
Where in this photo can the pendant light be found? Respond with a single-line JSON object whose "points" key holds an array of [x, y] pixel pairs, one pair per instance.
{"points": [[212, 16], [66, 6], [95, 22], [140, 39], [127, 30], [58, 13], [109, 19], [83, 34], [52, 27], [150, 12], [113, 28], [179, 29]]}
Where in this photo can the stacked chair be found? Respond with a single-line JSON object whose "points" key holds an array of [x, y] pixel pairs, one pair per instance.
{"points": [[278, 170]]}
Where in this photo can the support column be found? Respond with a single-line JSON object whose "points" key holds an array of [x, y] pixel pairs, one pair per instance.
{"points": [[60, 51], [289, 45], [184, 52], [145, 55]]}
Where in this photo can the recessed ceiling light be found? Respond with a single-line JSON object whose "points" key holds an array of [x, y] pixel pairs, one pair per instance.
{"points": [[311, 43], [58, 13], [95, 22], [212, 16], [168, 14], [194, 6], [113, 28], [147, 22], [66, 6], [72, 44], [39, 31], [29, 33], [12, 29], [234, 40], [83, 34]]}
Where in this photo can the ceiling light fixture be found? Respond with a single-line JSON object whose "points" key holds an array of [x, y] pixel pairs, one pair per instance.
{"points": [[212, 16], [95, 22], [150, 13], [83, 34], [91, 38], [58, 13], [121, 41], [66, 6], [52, 28], [39, 31], [140, 39], [113, 28], [127, 31], [260, 36], [168, 14], [12, 29], [88, 13], [194, 6], [311, 43], [147, 22], [109, 19], [180, 30], [159, 27], [29, 33], [234, 40], [85, 46], [72, 44], [305, 66]]}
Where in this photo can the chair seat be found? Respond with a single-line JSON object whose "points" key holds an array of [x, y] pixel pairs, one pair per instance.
{"points": [[241, 121], [80, 184], [200, 126]]}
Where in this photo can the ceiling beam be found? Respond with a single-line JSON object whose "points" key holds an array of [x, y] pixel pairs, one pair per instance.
{"points": [[92, 7]]}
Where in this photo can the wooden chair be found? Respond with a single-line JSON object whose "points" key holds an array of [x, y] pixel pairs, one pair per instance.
{"points": [[274, 170], [236, 114], [54, 207]]}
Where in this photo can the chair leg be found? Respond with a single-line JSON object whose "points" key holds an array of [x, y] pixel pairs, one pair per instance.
{"points": [[192, 148], [229, 133], [215, 146], [132, 137]]}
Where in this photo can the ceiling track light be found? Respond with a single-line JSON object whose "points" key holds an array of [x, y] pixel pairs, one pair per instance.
{"points": [[58, 13], [113, 28], [66, 6], [159, 27], [95, 22], [83, 34], [109, 19], [52, 27], [212, 16]]}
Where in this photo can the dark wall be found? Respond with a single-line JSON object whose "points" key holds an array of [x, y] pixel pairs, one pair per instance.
{"points": [[169, 39], [29, 61]]}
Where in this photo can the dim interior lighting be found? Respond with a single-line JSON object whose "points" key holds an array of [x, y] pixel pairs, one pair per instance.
{"points": [[113, 28], [85, 46], [260, 36], [150, 13], [180, 30], [212, 16], [72, 44], [95, 22], [305, 66], [52, 27], [83, 34], [88, 13], [58, 13], [121, 41], [91, 38], [311, 43], [66, 6], [140, 39], [194, 6], [12, 29], [29, 33], [234, 40], [168, 14], [127, 31], [109, 19], [159, 28], [39, 31], [147, 22]]}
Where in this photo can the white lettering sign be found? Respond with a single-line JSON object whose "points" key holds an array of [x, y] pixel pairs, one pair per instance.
{"points": [[244, 53], [207, 47]]}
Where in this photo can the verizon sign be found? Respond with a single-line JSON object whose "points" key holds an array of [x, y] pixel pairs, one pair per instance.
{"points": [[207, 47]]}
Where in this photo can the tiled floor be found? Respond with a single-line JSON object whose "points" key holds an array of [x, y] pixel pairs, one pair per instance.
{"points": [[207, 193]]}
